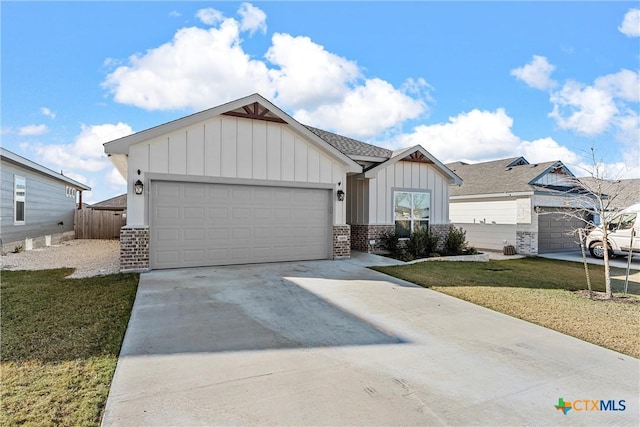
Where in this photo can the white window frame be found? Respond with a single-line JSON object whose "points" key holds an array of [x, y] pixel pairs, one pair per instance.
{"points": [[411, 219], [19, 198]]}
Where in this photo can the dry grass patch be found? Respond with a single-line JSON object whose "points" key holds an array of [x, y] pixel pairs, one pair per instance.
{"points": [[60, 344], [608, 324], [541, 291]]}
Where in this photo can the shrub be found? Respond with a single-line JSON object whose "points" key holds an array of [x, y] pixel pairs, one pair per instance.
{"points": [[422, 243], [390, 241], [455, 243]]}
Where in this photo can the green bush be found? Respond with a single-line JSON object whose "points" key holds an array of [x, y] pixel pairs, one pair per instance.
{"points": [[390, 241], [455, 243], [422, 243]]}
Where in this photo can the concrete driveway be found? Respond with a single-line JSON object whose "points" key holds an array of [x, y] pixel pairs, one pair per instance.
{"points": [[333, 343]]}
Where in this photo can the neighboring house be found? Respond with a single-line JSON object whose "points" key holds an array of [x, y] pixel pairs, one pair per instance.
{"points": [[620, 194], [244, 182], [36, 204], [511, 202], [116, 204]]}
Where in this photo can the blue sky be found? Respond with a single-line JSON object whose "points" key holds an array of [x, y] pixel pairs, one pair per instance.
{"points": [[471, 81]]}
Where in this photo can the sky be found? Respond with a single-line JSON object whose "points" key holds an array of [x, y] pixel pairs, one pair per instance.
{"points": [[469, 81]]}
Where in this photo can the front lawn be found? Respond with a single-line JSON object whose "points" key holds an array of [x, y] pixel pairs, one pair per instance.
{"points": [[541, 291], [60, 344]]}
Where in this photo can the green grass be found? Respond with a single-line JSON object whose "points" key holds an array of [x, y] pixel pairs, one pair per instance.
{"points": [[540, 291], [60, 344]]}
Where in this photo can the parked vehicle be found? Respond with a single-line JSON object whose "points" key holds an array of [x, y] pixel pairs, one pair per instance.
{"points": [[623, 232]]}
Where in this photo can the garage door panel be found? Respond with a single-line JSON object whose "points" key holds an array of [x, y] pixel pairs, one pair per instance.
{"points": [[169, 213], [190, 213]]}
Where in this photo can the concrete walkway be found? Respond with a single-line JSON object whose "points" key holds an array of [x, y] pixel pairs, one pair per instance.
{"points": [[334, 343]]}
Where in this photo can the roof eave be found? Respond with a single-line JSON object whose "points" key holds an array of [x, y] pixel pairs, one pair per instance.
{"points": [[29, 164], [121, 146]]}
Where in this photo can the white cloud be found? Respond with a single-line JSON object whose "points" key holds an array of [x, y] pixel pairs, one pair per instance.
{"points": [[209, 16], [253, 19], [198, 69], [624, 84], [202, 68], [86, 152], [584, 109], [365, 111], [115, 181], [547, 149], [536, 73], [477, 135], [630, 26], [33, 130], [308, 75], [175, 14], [47, 112]]}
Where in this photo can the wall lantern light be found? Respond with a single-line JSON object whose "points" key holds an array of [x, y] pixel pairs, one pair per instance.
{"points": [[340, 192], [138, 187]]}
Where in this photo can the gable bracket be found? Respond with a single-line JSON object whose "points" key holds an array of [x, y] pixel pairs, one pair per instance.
{"points": [[252, 111]]}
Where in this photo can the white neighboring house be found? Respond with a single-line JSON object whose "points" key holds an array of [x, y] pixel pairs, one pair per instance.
{"points": [[513, 202], [245, 182]]}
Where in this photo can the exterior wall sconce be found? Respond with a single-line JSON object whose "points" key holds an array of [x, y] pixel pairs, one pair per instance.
{"points": [[340, 193], [138, 187]]}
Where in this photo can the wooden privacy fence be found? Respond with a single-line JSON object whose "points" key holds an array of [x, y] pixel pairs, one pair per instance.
{"points": [[98, 224]]}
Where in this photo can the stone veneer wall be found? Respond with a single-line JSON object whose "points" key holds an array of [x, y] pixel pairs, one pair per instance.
{"points": [[441, 230], [526, 242], [134, 249], [341, 241]]}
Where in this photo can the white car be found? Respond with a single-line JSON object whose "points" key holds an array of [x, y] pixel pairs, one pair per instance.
{"points": [[624, 231]]}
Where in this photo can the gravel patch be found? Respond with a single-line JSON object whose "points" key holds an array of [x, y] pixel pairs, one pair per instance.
{"points": [[88, 256]]}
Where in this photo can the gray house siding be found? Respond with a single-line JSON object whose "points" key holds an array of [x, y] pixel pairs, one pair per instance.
{"points": [[46, 205]]}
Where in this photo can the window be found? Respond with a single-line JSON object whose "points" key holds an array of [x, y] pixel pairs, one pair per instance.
{"points": [[411, 211], [626, 221], [19, 195], [71, 192]]}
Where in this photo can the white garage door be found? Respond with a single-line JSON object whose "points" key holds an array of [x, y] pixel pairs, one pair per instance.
{"points": [[197, 224]]}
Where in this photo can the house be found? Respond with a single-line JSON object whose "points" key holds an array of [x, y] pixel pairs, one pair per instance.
{"points": [[534, 207], [36, 204], [116, 204], [620, 194], [244, 182]]}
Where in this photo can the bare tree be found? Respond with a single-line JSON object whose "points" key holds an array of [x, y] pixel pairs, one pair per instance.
{"points": [[602, 195]]}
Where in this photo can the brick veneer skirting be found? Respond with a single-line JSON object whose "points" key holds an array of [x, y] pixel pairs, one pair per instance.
{"points": [[341, 241], [362, 235], [134, 249]]}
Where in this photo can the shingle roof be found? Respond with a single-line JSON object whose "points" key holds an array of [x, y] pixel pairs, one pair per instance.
{"points": [[350, 146], [622, 193], [117, 202], [496, 176]]}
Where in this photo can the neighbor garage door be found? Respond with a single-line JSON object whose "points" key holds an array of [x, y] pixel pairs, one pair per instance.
{"points": [[197, 224], [555, 230]]}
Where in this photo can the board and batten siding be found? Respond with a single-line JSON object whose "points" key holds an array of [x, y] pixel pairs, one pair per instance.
{"points": [[46, 205], [234, 148], [373, 203]]}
